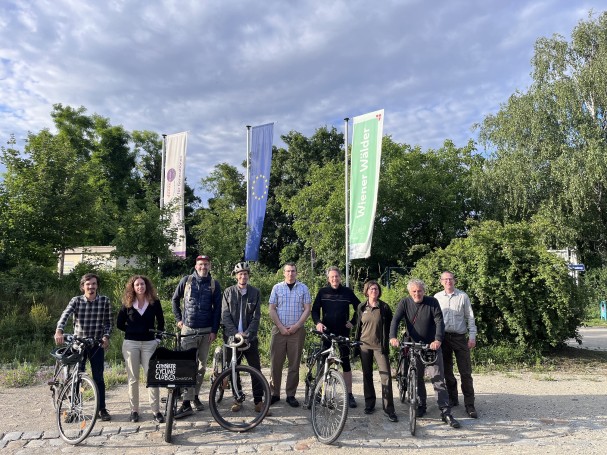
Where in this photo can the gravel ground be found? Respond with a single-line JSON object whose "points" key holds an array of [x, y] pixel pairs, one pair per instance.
{"points": [[547, 413]]}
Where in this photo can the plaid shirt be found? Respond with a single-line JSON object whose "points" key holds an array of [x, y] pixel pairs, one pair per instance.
{"points": [[290, 303], [91, 319]]}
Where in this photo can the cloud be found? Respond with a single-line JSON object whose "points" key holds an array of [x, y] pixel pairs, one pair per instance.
{"points": [[212, 68]]}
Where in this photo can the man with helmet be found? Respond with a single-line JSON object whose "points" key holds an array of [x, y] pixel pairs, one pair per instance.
{"points": [[424, 324], [200, 319], [240, 313]]}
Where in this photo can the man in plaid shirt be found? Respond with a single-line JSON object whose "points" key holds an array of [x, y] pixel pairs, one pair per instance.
{"points": [[92, 316]]}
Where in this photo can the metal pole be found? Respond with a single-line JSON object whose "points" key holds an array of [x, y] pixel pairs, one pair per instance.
{"points": [[248, 177], [162, 159], [346, 204]]}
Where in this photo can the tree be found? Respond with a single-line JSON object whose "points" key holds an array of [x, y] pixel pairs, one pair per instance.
{"points": [[549, 142], [520, 293]]}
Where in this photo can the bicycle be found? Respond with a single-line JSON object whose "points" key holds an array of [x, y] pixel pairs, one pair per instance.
{"points": [[174, 369], [410, 351], [329, 400], [314, 362], [249, 387], [75, 395]]}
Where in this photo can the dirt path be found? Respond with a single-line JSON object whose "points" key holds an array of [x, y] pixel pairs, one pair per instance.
{"points": [[519, 413]]}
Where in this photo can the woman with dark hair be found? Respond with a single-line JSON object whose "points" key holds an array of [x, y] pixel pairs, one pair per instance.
{"points": [[373, 329], [140, 312]]}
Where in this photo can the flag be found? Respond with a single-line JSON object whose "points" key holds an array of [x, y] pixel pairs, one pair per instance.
{"points": [[259, 183], [174, 182], [367, 135]]}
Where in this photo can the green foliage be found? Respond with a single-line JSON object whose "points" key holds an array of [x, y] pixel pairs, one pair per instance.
{"points": [[520, 293], [21, 375]]}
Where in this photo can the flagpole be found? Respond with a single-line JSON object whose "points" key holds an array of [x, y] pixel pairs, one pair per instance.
{"points": [[161, 202], [247, 180], [346, 204]]}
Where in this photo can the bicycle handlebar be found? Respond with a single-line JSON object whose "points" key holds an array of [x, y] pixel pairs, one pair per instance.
{"points": [[415, 345], [236, 341], [337, 338]]}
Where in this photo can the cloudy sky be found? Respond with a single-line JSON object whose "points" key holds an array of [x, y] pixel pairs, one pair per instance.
{"points": [[211, 67]]}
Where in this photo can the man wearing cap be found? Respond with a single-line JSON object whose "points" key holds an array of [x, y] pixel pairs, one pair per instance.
{"points": [[200, 317], [289, 308], [240, 313], [459, 320]]}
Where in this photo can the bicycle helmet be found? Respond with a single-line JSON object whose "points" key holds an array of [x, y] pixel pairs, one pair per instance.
{"points": [[241, 267], [428, 356], [66, 355]]}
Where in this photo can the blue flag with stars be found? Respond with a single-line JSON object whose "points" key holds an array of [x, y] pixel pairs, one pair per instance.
{"points": [[259, 183]]}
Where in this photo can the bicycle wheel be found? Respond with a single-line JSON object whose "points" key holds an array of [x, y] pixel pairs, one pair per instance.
{"points": [[311, 381], [412, 399], [330, 411], [76, 415], [171, 410], [401, 377], [249, 403], [56, 382]]}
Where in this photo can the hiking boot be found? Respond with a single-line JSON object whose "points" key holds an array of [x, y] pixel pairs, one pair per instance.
{"points": [[392, 417], [104, 415], [184, 411], [158, 417], [198, 404], [351, 401], [471, 411], [259, 407]]}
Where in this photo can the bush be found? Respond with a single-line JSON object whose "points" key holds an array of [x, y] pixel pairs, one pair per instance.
{"points": [[520, 293]]}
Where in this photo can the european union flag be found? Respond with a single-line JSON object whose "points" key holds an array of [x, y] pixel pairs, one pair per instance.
{"points": [[259, 183]]}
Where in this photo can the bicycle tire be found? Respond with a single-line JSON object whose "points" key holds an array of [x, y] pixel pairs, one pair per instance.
{"points": [[401, 377], [246, 417], [56, 382], [76, 416], [330, 410], [412, 398], [311, 381], [171, 410]]}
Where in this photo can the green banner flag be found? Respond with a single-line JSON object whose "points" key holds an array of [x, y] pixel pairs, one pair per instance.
{"points": [[364, 181]]}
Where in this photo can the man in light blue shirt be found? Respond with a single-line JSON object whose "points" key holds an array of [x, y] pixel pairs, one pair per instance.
{"points": [[290, 303], [459, 321]]}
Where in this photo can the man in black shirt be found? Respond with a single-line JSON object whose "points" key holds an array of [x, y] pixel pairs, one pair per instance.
{"points": [[334, 303], [424, 324]]}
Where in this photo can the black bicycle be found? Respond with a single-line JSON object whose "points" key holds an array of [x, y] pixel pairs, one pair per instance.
{"points": [[327, 395], [75, 395], [250, 391], [174, 369], [410, 351]]}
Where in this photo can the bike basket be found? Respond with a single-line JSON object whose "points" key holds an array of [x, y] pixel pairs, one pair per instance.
{"points": [[173, 368], [66, 355]]}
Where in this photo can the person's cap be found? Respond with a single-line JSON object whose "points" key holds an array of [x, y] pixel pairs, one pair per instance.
{"points": [[202, 257]]}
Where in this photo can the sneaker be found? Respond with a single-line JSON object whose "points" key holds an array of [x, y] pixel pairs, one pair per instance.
{"points": [[184, 411], [421, 411], [158, 417], [392, 417], [292, 401], [351, 401], [369, 410], [236, 407], [453, 402], [274, 399], [104, 415], [134, 416], [471, 411], [198, 404], [448, 418]]}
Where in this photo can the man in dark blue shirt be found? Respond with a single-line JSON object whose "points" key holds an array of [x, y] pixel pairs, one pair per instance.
{"points": [[424, 324]]}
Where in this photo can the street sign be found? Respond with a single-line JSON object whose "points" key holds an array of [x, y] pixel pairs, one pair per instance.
{"points": [[577, 267]]}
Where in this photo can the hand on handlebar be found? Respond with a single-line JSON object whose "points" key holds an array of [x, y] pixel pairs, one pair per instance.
{"points": [[394, 342]]}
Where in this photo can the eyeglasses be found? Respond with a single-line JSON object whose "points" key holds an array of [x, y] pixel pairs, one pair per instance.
{"points": [[447, 279]]}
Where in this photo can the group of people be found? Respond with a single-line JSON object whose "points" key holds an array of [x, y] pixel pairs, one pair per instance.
{"points": [[445, 322]]}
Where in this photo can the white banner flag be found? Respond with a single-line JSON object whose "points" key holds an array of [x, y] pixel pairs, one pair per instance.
{"points": [[174, 183]]}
